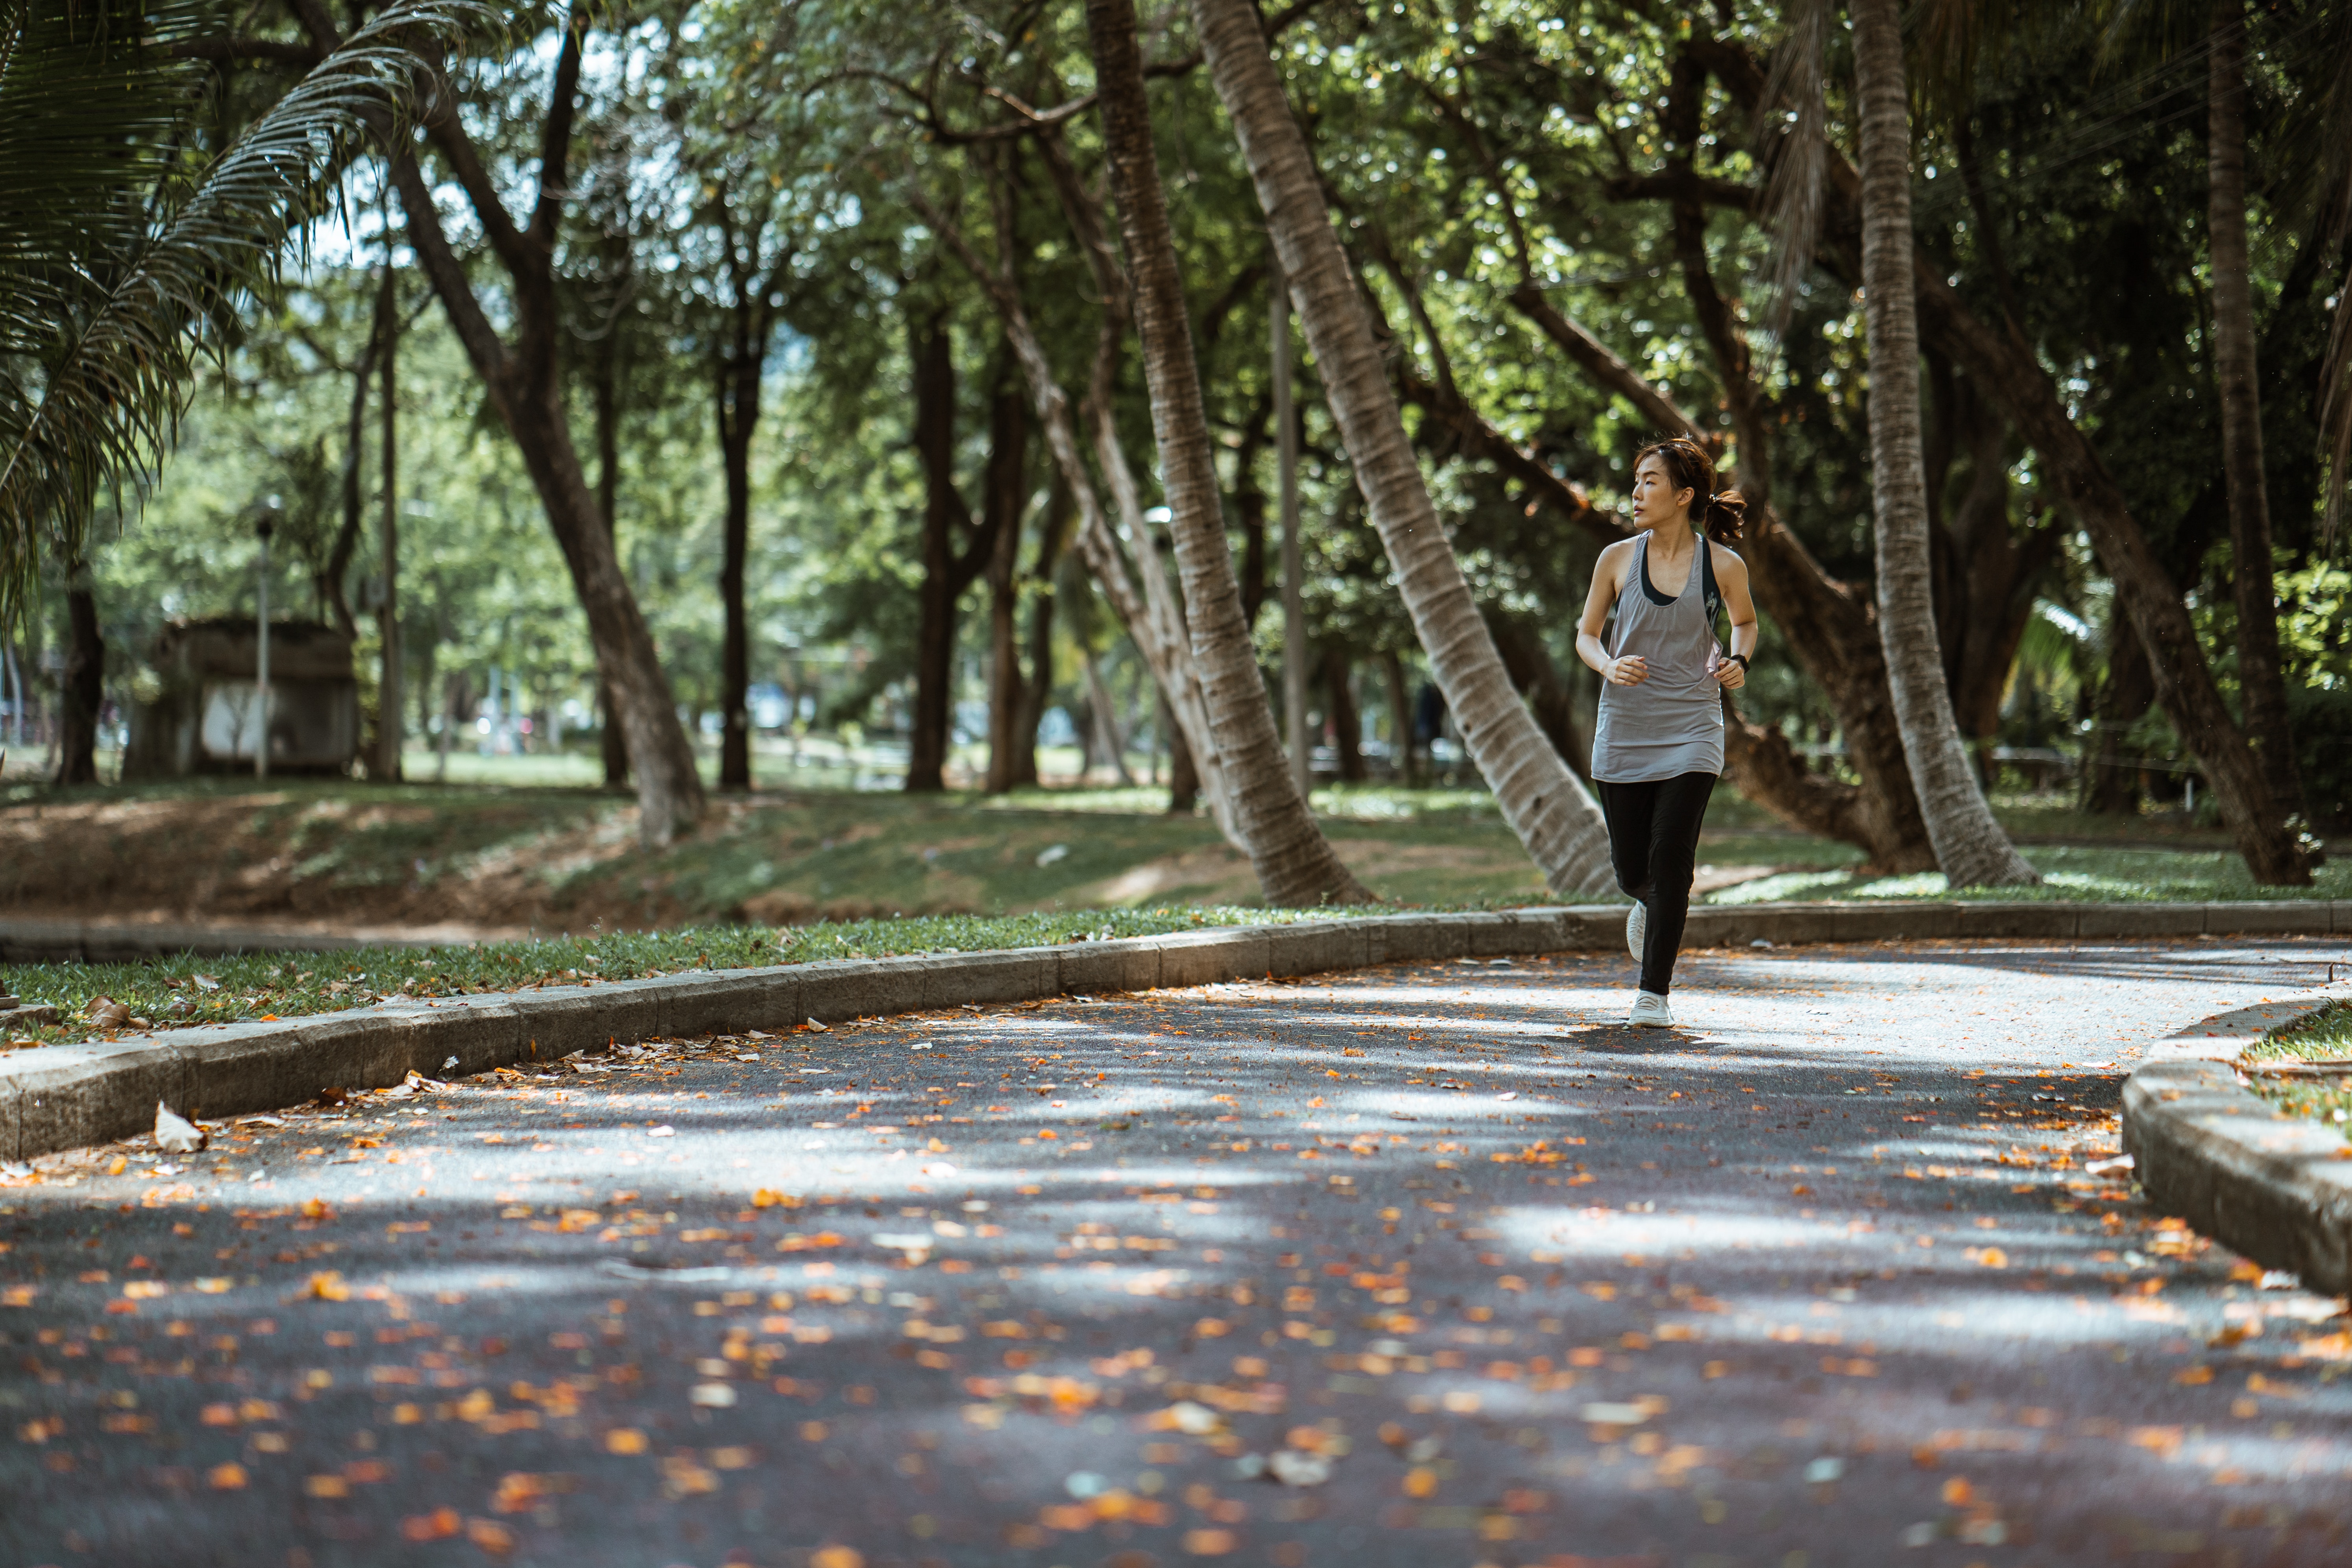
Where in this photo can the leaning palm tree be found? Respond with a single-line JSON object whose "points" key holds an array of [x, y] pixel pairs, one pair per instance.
{"points": [[1555, 819], [1970, 843], [1295, 863], [125, 257]]}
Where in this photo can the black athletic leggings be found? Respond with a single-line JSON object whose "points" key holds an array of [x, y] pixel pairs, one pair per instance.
{"points": [[1653, 843]]}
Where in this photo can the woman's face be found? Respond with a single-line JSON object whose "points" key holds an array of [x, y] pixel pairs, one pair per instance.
{"points": [[1656, 504]]}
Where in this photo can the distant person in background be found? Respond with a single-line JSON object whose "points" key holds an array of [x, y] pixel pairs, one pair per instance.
{"points": [[1657, 744]]}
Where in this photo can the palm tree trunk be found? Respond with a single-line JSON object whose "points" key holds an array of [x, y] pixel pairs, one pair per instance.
{"points": [[1970, 844], [2262, 688], [1550, 812], [1294, 862]]}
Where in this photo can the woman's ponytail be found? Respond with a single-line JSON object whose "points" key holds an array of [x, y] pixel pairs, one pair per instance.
{"points": [[1726, 515]]}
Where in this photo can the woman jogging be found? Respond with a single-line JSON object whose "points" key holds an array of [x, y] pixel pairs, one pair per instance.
{"points": [[1658, 745]]}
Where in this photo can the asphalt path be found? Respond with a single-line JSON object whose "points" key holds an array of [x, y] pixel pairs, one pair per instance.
{"points": [[1425, 1265]]}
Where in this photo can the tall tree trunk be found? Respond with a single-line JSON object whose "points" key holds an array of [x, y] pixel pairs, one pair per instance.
{"points": [[949, 571], [2144, 590], [738, 388], [1985, 575], [1183, 772], [1053, 536], [1970, 844], [1008, 691], [2111, 782], [1401, 735], [81, 686], [389, 731], [2261, 684], [613, 747], [1346, 723], [1294, 864], [1104, 737], [347, 535], [525, 384], [933, 352], [1540, 798]]}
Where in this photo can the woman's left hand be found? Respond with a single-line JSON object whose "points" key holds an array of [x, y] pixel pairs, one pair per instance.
{"points": [[1730, 674]]}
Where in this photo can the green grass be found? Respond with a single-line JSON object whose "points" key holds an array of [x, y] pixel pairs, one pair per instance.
{"points": [[2325, 1035], [188, 989]]}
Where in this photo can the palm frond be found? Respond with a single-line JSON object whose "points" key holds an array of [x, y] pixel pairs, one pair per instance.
{"points": [[91, 108], [1796, 148], [114, 379]]}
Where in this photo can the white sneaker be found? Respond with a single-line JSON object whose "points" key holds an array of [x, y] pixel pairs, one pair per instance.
{"points": [[1637, 929], [1650, 1012]]}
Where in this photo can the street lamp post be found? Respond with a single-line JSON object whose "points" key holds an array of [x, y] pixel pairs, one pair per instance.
{"points": [[262, 529]]}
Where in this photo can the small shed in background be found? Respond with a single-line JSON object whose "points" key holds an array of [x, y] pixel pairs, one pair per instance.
{"points": [[205, 720]]}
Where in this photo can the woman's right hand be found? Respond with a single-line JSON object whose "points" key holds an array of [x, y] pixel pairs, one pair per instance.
{"points": [[1630, 670]]}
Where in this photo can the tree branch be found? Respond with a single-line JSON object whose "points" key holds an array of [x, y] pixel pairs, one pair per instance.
{"points": [[555, 140]]}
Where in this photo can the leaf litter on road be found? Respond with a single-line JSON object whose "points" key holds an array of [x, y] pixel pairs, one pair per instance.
{"points": [[1581, 1357]]}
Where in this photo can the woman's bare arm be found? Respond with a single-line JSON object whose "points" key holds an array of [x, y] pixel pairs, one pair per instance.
{"points": [[1731, 579], [1608, 582]]}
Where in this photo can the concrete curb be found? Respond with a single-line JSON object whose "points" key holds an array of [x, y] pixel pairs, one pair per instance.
{"points": [[2276, 1188], [65, 1097]]}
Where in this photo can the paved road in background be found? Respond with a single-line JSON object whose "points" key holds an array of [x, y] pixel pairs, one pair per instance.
{"points": [[1426, 1265]]}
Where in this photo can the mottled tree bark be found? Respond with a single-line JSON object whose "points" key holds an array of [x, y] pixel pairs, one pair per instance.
{"points": [[1550, 812], [1294, 864], [2261, 685], [1970, 844]]}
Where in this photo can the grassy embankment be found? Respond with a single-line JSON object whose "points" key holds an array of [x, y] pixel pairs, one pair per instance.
{"points": [[2327, 1035]]}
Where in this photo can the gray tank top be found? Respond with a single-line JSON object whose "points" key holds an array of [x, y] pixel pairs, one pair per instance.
{"points": [[1671, 723]]}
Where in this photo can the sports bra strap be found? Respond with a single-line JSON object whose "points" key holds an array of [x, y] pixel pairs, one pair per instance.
{"points": [[1711, 596]]}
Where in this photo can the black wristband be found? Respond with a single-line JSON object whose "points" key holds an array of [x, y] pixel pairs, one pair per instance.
{"points": [[1740, 658]]}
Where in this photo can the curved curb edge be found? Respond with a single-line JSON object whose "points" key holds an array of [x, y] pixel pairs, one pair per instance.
{"points": [[2275, 1188]]}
